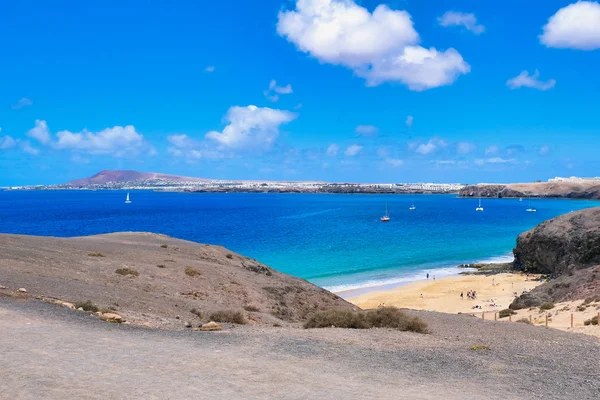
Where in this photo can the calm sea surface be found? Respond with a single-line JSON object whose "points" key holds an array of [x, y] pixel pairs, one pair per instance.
{"points": [[335, 241]]}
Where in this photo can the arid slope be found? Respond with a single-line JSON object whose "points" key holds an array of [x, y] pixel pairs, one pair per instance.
{"points": [[175, 276]]}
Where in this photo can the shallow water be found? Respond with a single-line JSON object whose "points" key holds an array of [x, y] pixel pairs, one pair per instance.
{"points": [[335, 241]]}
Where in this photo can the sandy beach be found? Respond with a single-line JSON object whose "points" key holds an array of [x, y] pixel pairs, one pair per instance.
{"points": [[494, 293]]}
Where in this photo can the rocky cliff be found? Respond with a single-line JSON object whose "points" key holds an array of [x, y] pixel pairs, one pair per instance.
{"points": [[585, 189], [568, 249]]}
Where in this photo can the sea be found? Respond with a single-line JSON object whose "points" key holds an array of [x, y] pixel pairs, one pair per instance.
{"points": [[335, 241]]}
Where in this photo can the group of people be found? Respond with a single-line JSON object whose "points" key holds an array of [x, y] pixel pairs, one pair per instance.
{"points": [[471, 294]]}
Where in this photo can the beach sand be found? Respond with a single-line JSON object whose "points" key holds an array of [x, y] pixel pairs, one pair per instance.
{"points": [[443, 295]]}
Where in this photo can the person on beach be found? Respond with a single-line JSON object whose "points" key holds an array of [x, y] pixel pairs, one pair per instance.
{"points": [[461, 296], [434, 277], [428, 275]]}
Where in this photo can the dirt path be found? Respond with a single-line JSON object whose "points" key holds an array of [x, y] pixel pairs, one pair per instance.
{"points": [[54, 353]]}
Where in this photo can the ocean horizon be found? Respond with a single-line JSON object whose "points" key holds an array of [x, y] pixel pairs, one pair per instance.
{"points": [[335, 241]]}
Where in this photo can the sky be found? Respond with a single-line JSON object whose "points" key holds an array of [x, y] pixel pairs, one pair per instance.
{"points": [[333, 90]]}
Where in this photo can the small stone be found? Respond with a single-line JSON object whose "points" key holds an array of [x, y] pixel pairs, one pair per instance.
{"points": [[80, 309], [22, 290], [177, 317], [66, 304], [188, 325], [210, 326], [111, 317]]}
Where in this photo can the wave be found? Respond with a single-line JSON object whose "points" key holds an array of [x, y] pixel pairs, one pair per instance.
{"points": [[505, 258]]}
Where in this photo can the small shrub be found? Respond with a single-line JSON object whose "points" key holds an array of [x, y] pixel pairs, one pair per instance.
{"points": [[276, 325], [164, 246], [479, 347], [87, 306], [593, 321], [581, 308], [234, 317], [385, 317], [95, 254], [196, 312], [251, 308], [191, 271], [229, 255], [161, 265], [546, 306], [506, 312], [127, 271], [268, 273], [524, 321], [588, 300]]}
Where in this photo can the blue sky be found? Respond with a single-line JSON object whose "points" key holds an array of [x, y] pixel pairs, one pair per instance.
{"points": [[372, 91]]}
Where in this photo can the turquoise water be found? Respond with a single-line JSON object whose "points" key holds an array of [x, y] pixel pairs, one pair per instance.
{"points": [[335, 241]]}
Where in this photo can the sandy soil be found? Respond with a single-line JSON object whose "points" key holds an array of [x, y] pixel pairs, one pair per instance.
{"points": [[444, 294], [494, 293]]}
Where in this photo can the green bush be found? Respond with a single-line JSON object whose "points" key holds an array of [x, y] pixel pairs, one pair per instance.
{"points": [[164, 246], [384, 317], [524, 321], [593, 321], [506, 312], [191, 271], [95, 254], [87, 306], [546, 306]]}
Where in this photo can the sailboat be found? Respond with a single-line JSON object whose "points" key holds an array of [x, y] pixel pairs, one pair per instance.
{"points": [[529, 208], [386, 217], [127, 201], [479, 208], [412, 207]]}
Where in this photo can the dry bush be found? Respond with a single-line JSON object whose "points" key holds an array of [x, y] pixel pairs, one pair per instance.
{"points": [[546, 306], [87, 306], [234, 317], [191, 271], [229, 255], [161, 265], [593, 321], [196, 312], [524, 321], [385, 317], [164, 246], [127, 271], [506, 312], [251, 308], [95, 254]]}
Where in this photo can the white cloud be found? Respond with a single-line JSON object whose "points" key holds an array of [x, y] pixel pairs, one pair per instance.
{"points": [[118, 141], [274, 90], [366, 130], [479, 161], [298, 106], [469, 21], [500, 160], [191, 149], [531, 81], [353, 150], [7, 142], [27, 148], [465, 147], [576, 26], [430, 147], [394, 162], [23, 102], [251, 128], [77, 158], [545, 149], [40, 132], [493, 149], [380, 47], [210, 68], [409, 121], [333, 149]]}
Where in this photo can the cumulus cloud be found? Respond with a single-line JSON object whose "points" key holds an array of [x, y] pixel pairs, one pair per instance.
{"points": [[251, 128], [40, 132], [493, 149], [7, 142], [353, 150], [494, 160], [333, 149], [210, 68], [274, 90], [366, 130], [531, 81], [27, 148], [430, 147], [118, 141], [409, 121], [468, 21], [394, 162], [381, 46], [576, 26], [23, 102], [514, 149], [465, 147], [190, 149]]}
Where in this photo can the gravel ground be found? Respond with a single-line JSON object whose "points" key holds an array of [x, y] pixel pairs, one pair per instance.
{"points": [[50, 352]]}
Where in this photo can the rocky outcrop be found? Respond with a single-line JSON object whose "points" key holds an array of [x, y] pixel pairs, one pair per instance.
{"points": [[498, 191], [570, 241], [584, 189], [567, 248]]}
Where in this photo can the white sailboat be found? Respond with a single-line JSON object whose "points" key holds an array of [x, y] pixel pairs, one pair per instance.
{"points": [[479, 208], [412, 207], [127, 201], [386, 217], [529, 208]]}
